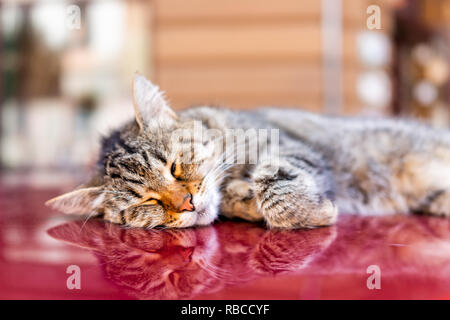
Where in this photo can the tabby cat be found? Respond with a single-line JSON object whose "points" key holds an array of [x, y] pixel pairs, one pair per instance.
{"points": [[146, 178]]}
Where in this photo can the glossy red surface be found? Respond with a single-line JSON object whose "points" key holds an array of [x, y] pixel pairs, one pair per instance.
{"points": [[230, 260]]}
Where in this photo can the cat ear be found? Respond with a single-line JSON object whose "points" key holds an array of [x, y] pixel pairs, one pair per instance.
{"points": [[149, 103], [80, 201]]}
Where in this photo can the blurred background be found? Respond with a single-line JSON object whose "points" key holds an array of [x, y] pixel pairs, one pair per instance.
{"points": [[66, 69], [66, 66]]}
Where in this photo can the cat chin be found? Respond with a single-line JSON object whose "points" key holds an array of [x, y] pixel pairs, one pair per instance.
{"points": [[184, 220], [208, 213], [207, 216], [201, 217]]}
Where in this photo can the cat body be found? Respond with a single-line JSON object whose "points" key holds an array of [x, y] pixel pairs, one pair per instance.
{"points": [[323, 165], [365, 166]]}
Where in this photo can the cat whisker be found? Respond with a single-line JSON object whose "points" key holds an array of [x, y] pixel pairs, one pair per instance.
{"points": [[86, 220], [217, 272]]}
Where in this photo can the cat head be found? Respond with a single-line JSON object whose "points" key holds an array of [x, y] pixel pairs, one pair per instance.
{"points": [[148, 173]]}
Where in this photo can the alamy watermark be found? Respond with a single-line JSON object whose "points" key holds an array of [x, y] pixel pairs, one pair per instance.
{"points": [[374, 19], [73, 18], [74, 280], [374, 280], [230, 146]]}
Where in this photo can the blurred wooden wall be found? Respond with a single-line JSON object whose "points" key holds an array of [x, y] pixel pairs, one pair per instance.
{"points": [[354, 21], [247, 53]]}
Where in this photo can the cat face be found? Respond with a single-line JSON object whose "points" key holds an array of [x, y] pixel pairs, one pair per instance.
{"points": [[152, 172]]}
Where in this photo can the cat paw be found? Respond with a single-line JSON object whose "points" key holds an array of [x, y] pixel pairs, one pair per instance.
{"points": [[439, 205], [238, 201], [290, 197], [239, 189], [295, 217], [288, 207]]}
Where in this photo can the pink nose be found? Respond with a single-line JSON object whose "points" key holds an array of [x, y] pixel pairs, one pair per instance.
{"points": [[187, 204]]}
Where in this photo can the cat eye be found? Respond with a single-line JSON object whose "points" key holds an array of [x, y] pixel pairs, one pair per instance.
{"points": [[150, 202], [175, 170]]}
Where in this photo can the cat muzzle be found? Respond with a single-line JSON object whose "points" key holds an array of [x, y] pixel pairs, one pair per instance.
{"points": [[187, 204]]}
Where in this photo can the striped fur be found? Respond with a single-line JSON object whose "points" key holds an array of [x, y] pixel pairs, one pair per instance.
{"points": [[325, 164]]}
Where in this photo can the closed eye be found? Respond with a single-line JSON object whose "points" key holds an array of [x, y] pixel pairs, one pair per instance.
{"points": [[176, 170], [150, 202]]}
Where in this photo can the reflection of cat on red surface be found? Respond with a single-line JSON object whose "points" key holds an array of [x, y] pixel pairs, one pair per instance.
{"points": [[181, 264], [172, 264]]}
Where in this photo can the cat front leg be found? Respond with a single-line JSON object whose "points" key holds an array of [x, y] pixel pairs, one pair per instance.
{"points": [[238, 201], [293, 194], [435, 203], [424, 181]]}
